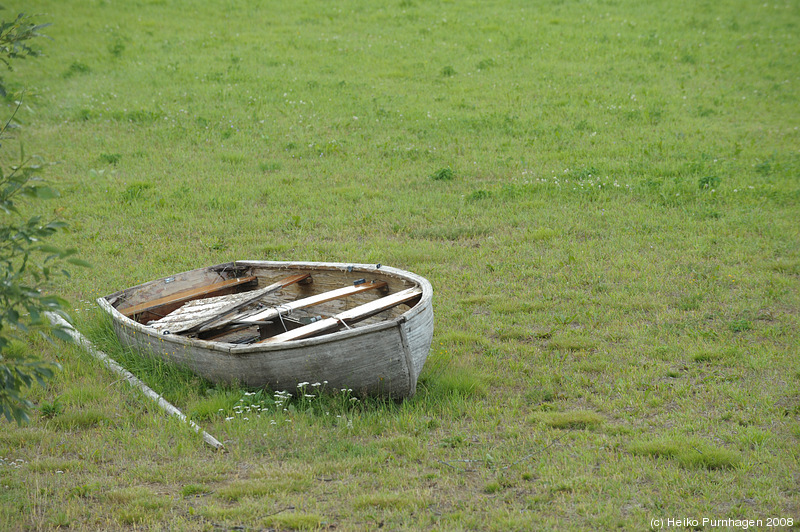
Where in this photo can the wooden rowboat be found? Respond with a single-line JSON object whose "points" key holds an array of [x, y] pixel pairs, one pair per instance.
{"points": [[279, 324]]}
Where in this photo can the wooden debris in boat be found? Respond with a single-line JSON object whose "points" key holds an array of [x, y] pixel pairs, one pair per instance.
{"points": [[347, 317], [168, 303], [199, 313], [224, 318]]}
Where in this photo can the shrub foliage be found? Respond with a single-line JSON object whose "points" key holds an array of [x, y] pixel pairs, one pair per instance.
{"points": [[27, 262]]}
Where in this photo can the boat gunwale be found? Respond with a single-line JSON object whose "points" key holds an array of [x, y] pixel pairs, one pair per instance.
{"points": [[236, 349]]}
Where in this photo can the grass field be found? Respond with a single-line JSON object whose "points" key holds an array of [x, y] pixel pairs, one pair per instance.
{"points": [[605, 195]]}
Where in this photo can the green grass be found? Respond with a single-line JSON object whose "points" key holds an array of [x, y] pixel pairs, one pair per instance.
{"points": [[604, 195], [687, 453], [569, 420]]}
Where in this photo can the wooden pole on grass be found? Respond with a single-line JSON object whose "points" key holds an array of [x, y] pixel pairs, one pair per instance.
{"points": [[131, 378]]}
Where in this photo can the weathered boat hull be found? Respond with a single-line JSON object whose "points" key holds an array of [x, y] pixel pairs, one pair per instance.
{"points": [[383, 358]]}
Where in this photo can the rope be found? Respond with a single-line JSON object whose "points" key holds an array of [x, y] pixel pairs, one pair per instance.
{"points": [[280, 316]]}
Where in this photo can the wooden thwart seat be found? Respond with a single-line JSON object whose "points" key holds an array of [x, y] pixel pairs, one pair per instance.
{"points": [[287, 308], [179, 298], [347, 317]]}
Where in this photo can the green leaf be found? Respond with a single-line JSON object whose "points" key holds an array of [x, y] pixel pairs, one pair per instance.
{"points": [[46, 248], [52, 302], [44, 192], [62, 335], [79, 262]]}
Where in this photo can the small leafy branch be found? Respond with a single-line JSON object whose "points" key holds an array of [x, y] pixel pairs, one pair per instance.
{"points": [[15, 376], [21, 243], [13, 42], [27, 264]]}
